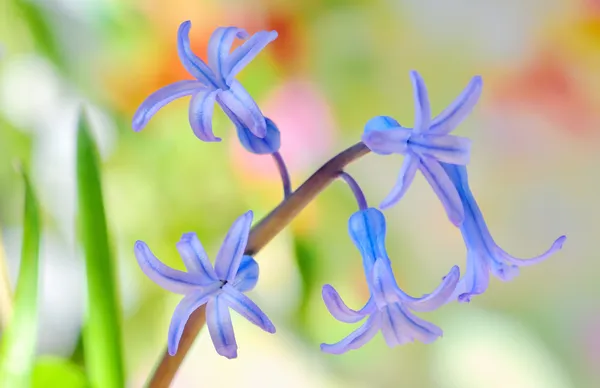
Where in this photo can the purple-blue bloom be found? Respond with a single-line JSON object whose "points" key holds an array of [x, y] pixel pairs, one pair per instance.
{"points": [[220, 288], [215, 82], [483, 255], [426, 144], [388, 308]]}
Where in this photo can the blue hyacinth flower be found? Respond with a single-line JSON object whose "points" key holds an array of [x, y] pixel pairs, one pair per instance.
{"points": [[483, 255], [388, 308], [216, 82], [426, 144], [220, 288]]}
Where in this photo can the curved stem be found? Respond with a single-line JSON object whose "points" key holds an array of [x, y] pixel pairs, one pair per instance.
{"points": [[260, 235], [358, 194], [285, 175]]}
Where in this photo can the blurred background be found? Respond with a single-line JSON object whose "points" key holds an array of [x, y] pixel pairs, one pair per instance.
{"points": [[336, 64]]}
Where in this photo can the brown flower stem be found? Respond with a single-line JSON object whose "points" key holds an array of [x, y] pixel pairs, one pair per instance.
{"points": [[263, 232]]}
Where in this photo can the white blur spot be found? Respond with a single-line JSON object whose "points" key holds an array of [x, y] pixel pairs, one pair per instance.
{"points": [[61, 291], [483, 349], [37, 100]]}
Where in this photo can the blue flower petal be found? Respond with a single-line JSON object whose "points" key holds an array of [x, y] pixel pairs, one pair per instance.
{"points": [[201, 113], [367, 229], [247, 274], [448, 149], [219, 46], [168, 278], [438, 297], [382, 283], [356, 339], [194, 65], [405, 178], [443, 188], [556, 246], [400, 326], [231, 252], [386, 142], [475, 279], [382, 123], [194, 257], [162, 97], [422, 108], [220, 327], [184, 309], [456, 112], [260, 146], [241, 56], [237, 101], [246, 308], [339, 310]]}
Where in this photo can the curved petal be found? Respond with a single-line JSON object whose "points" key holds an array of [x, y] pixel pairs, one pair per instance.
{"points": [[182, 313], [556, 246], [443, 188], [260, 146], [247, 274], [160, 98], [220, 327], [399, 326], [448, 148], [367, 229], [438, 297], [386, 142], [194, 257], [460, 108], [246, 308], [168, 278], [382, 283], [241, 56], [407, 175], [194, 65], [340, 311], [357, 338], [422, 108], [242, 105], [219, 46], [200, 115], [475, 280], [230, 255]]}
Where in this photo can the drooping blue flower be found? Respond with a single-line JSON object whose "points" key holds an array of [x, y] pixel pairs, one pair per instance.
{"points": [[388, 308], [220, 288], [426, 144], [215, 82], [483, 255]]}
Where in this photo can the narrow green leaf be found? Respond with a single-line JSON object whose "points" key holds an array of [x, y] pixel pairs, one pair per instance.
{"points": [[102, 334], [17, 354]]}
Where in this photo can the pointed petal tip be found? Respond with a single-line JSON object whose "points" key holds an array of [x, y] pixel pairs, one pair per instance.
{"points": [[229, 352], [464, 298], [558, 244], [140, 246]]}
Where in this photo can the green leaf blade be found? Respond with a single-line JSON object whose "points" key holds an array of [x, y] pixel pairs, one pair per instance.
{"points": [[17, 353], [102, 333]]}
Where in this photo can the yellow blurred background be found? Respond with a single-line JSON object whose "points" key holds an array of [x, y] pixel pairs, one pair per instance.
{"points": [[336, 64]]}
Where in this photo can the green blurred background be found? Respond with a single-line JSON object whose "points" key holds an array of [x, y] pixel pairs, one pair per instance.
{"points": [[336, 64]]}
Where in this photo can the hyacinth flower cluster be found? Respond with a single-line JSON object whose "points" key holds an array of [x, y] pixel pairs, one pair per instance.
{"points": [[428, 147]]}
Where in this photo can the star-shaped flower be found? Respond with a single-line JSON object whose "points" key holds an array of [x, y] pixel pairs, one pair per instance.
{"points": [[215, 82], [220, 288], [426, 145], [483, 255], [388, 308]]}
